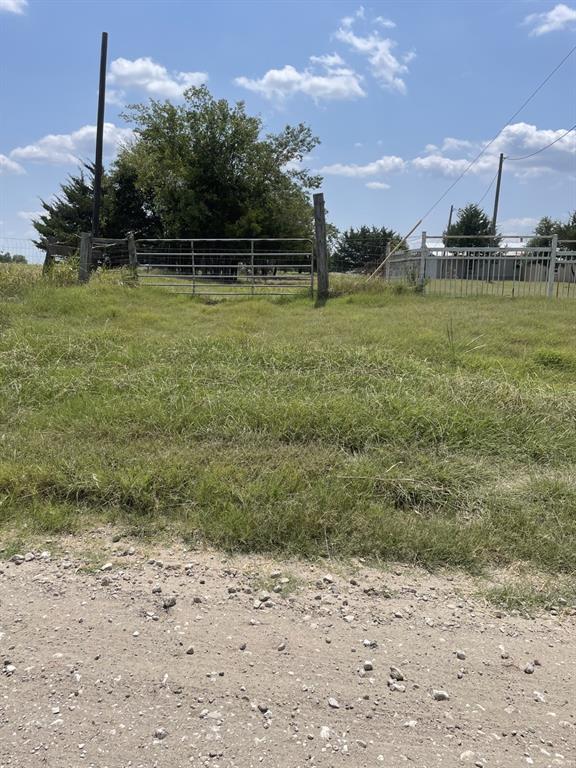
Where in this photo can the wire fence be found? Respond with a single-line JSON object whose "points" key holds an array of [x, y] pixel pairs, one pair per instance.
{"points": [[21, 246]]}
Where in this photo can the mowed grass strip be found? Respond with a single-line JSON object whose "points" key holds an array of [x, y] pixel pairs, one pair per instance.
{"points": [[432, 430]]}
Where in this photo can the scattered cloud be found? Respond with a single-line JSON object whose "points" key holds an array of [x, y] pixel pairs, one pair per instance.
{"points": [[436, 163], [386, 68], [328, 78], [521, 226], [386, 23], [558, 18], [147, 75], [69, 148], [13, 6], [377, 185], [9, 166], [516, 140], [385, 164]]}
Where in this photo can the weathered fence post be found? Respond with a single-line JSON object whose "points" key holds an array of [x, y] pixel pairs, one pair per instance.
{"points": [[387, 259], [321, 246], [552, 266], [49, 258], [132, 254], [422, 269], [85, 257]]}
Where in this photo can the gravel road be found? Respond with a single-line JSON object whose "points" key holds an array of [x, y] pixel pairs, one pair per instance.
{"points": [[166, 658]]}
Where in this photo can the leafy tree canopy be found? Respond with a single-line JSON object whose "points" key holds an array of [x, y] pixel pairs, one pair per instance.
{"points": [[547, 227], [199, 169], [475, 224], [208, 171], [357, 248]]}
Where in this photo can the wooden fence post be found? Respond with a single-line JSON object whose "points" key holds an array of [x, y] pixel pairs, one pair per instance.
{"points": [[423, 254], [387, 259], [49, 258], [132, 254], [552, 266], [85, 257], [321, 246]]}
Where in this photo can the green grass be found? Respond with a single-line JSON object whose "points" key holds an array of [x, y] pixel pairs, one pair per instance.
{"points": [[425, 429]]}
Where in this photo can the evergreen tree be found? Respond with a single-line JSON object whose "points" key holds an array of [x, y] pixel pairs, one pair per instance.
{"points": [[357, 248], [475, 225]]}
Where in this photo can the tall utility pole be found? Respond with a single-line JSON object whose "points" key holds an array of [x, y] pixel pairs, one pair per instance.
{"points": [[99, 138], [497, 196], [450, 219]]}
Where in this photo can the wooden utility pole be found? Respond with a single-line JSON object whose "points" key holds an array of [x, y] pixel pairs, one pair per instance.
{"points": [[497, 195], [450, 219], [98, 170], [321, 246]]}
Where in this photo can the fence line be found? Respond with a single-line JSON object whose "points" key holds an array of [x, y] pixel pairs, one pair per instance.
{"points": [[507, 270]]}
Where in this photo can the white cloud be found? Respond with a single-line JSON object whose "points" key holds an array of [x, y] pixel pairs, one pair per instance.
{"points": [[436, 163], [386, 23], [334, 81], [385, 164], [69, 148], [521, 226], [560, 17], [9, 166], [147, 75], [377, 185], [385, 67], [13, 6], [516, 140]]}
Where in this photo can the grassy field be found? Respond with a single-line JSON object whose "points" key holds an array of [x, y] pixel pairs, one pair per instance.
{"points": [[417, 428]]}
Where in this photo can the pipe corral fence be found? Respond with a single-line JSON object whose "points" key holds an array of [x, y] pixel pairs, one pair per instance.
{"points": [[208, 266], [508, 269]]}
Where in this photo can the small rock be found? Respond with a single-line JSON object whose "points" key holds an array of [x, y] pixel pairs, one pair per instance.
{"points": [[461, 655], [169, 602], [333, 703], [468, 756], [263, 708], [160, 733], [157, 590], [190, 650], [106, 567], [440, 695], [368, 666], [529, 669], [396, 674], [29, 556], [282, 647]]}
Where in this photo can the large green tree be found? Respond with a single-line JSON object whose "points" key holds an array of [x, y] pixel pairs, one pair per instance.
{"points": [[358, 248], [208, 170], [471, 229]]}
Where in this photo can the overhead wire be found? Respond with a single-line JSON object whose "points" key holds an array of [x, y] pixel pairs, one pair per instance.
{"points": [[551, 144]]}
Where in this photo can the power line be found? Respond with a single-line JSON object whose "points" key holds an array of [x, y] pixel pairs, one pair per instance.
{"points": [[525, 157], [489, 188]]}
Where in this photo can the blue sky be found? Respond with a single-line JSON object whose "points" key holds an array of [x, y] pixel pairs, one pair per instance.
{"points": [[401, 94]]}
